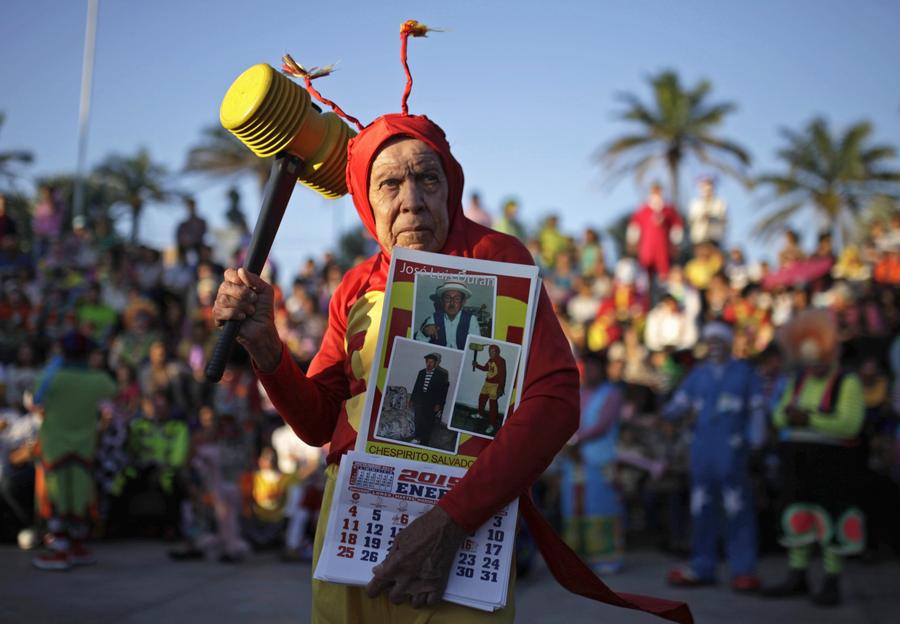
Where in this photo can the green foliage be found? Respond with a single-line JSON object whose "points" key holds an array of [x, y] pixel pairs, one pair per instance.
{"points": [[10, 160], [836, 176], [221, 154], [134, 181], [98, 196], [678, 123], [354, 244]]}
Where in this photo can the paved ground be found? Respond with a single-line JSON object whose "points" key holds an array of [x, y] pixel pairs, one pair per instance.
{"points": [[135, 583]]}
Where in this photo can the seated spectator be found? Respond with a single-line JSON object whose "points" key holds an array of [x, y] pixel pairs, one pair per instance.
{"points": [[509, 223], [668, 327], [162, 374], [94, 313], [686, 295], [158, 452], [706, 263], [18, 437], [590, 253], [582, 307], [791, 253], [476, 212], [221, 461], [737, 270], [269, 497], [850, 266]]}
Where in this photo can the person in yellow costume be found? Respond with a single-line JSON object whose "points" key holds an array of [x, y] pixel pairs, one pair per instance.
{"points": [[493, 388]]}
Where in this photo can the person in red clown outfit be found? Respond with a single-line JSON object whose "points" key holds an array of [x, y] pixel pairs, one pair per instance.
{"points": [[493, 388], [654, 228], [407, 189]]}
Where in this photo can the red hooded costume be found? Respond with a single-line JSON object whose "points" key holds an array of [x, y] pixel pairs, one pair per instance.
{"points": [[325, 404]]}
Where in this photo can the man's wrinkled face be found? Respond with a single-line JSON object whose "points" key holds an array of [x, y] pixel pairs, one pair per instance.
{"points": [[408, 193], [452, 302]]}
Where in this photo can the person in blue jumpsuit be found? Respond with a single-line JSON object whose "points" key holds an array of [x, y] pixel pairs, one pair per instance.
{"points": [[725, 396]]}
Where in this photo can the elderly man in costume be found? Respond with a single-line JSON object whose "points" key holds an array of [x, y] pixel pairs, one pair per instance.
{"points": [[407, 189], [428, 396], [819, 419], [449, 326], [725, 396]]}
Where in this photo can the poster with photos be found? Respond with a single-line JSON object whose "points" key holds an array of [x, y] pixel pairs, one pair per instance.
{"points": [[436, 304]]}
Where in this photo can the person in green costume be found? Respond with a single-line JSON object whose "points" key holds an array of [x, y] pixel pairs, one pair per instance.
{"points": [[70, 394], [819, 418]]}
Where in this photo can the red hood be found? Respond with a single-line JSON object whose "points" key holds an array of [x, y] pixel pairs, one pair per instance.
{"points": [[361, 152]]}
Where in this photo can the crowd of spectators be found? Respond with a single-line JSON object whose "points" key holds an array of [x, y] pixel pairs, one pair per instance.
{"points": [[213, 464]]}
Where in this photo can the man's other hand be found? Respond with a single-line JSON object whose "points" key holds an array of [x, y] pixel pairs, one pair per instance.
{"points": [[418, 566]]}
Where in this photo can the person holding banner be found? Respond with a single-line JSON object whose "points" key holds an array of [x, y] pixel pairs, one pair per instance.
{"points": [[407, 189]]}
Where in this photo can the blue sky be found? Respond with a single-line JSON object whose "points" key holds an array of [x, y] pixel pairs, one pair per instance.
{"points": [[525, 90]]}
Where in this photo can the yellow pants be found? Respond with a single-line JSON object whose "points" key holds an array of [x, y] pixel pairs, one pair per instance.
{"points": [[345, 604]]}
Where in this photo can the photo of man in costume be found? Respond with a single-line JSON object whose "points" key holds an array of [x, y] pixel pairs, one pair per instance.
{"points": [[486, 380], [428, 397], [493, 388], [449, 325]]}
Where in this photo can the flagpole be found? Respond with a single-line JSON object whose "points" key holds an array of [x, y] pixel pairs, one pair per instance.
{"points": [[84, 108]]}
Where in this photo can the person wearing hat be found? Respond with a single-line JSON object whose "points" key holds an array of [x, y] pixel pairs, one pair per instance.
{"points": [[725, 397], [407, 188], [819, 418], [449, 326], [428, 396], [70, 394]]}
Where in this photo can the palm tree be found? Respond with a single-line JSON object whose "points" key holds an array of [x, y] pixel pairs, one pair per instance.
{"points": [[134, 181], [834, 176], [676, 124], [9, 159], [222, 154]]}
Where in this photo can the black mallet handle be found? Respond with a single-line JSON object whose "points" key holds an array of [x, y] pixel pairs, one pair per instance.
{"points": [[277, 193]]}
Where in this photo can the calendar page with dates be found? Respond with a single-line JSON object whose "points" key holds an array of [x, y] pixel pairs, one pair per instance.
{"points": [[376, 497]]}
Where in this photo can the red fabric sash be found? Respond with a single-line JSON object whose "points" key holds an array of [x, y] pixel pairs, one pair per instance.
{"points": [[573, 574]]}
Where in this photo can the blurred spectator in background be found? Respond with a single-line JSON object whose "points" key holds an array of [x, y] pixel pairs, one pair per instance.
{"points": [[46, 221], [70, 395], [791, 253], [220, 460], [591, 509], [669, 327], [553, 242], [591, 260], [725, 398], [508, 222], [707, 215], [189, 234], [476, 212], [819, 418]]}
